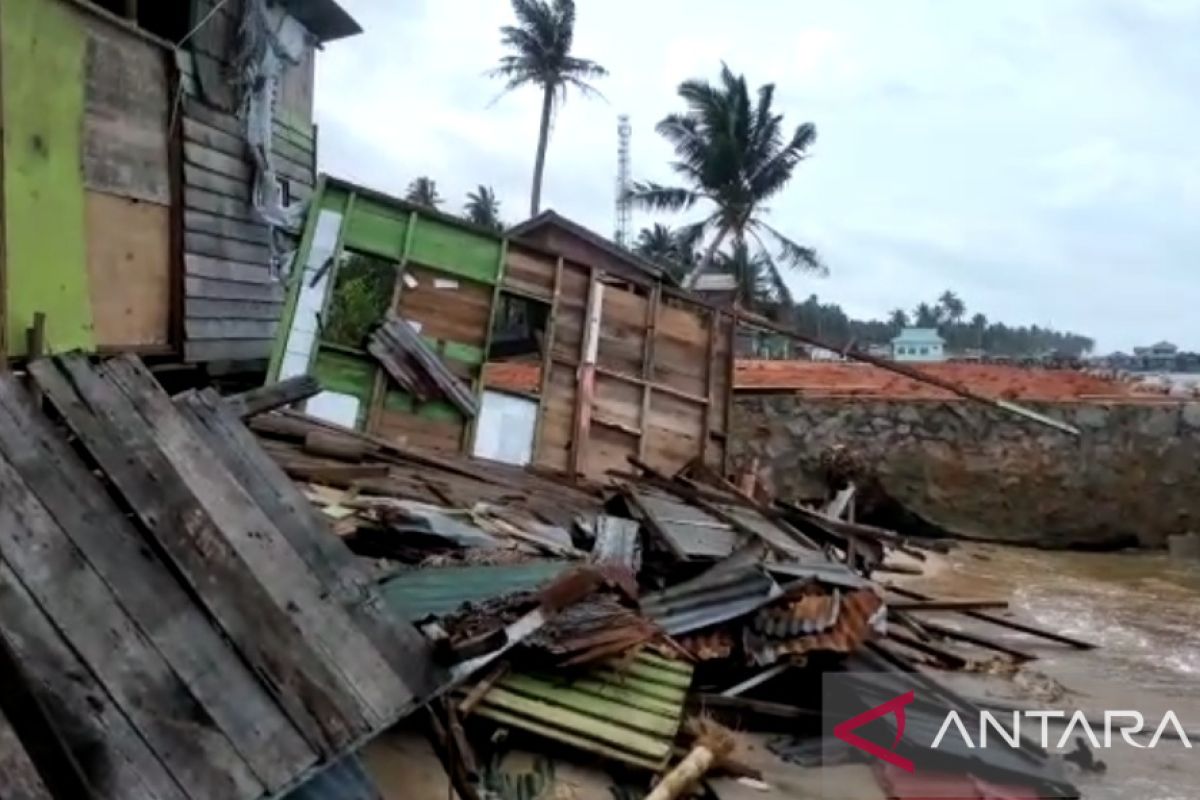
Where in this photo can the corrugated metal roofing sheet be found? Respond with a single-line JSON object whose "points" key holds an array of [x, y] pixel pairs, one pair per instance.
{"points": [[691, 532], [857, 616], [766, 529], [425, 593], [817, 567], [629, 712], [731, 589]]}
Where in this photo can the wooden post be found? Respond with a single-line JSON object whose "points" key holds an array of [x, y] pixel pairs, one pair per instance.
{"points": [[35, 346], [379, 385], [652, 303], [586, 378], [131, 10], [547, 358], [710, 373], [3, 226], [468, 440]]}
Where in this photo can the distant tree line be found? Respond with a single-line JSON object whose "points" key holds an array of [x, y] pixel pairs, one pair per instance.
{"points": [[827, 321]]}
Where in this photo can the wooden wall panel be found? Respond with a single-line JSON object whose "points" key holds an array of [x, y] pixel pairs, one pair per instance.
{"points": [[608, 449], [129, 270], [557, 421], [126, 112], [529, 272], [447, 308], [622, 332], [681, 348], [674, 431], [43, 94]]}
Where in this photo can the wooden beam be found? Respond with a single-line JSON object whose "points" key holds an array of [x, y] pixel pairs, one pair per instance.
{"points": [[28, 734], [477, 387], [947, 605], [586, 377], [379, 383], [1078, 644], [652, 303], [547, 357], [710, 372], [979, 641], [269, 398]]}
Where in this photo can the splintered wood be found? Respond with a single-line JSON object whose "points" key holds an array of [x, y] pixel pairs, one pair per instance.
{"points": [[183, 608]]}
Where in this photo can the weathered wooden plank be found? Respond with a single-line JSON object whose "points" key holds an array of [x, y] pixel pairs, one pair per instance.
{"points": [[208, 245], [232, 290], [116, 761], [212, 117], [200, 178], [204, 350], [143, 585], [219, 204], [225, 228], [214, 161], [200, 308], [259, 400], [267, 551], [301, 156], [266, 634], [166, 713], [221, 270], [216, 139], [125, 121], [18, 775], [230, 328], [405, 649]]}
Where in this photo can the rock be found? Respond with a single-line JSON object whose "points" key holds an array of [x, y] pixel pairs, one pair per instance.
{"points": [[1091, 416], [1184, 547]]}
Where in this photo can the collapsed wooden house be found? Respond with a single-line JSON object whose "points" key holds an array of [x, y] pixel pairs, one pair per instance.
{"points": [[630, 366], [153, 155]]}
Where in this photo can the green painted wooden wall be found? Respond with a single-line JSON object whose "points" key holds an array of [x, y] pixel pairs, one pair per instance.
{"points": [[381, 228], [43, 47]]}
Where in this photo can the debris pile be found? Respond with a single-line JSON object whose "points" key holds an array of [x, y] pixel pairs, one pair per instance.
{"points": [[645, 631]]}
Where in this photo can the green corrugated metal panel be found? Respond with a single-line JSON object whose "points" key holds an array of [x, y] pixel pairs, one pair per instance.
{"points": [[44, 47], [458, 251], [433, 592], [377, 229], [629, 712]]}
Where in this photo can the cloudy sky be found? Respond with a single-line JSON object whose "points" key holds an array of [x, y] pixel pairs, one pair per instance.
{"points": [[1039, 157]]}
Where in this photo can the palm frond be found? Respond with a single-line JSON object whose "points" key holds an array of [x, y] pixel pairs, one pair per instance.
{"points": [[793, 254], [662, 198]]}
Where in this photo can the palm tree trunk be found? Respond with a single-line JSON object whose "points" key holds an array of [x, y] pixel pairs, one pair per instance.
{"points": [[539, 165]]}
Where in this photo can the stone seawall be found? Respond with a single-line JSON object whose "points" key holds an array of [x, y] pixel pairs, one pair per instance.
{"points": [[1133, 476]]}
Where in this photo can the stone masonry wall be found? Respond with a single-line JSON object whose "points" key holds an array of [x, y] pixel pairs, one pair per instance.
{"points": [[984, 473]]}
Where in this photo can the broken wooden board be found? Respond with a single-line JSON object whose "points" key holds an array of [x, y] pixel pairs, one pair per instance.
{"points": [[416, 368], [142, 584]]}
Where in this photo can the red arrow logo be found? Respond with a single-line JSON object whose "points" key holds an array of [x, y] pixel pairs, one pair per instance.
{"points": [[894, 706]]}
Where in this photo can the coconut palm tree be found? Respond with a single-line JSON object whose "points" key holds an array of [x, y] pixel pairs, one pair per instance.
{"points": [[483, 208], [423, 191], [539, 55], [662, 245], [926, 316], [733, 154], [952, 306], [759, 284], [979, 323]]}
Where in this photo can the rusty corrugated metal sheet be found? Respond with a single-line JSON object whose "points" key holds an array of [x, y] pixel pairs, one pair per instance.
{"points": [[859, 614], [628, 712], [594, 629], [709, 645]]}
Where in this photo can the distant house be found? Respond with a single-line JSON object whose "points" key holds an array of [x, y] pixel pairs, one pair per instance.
{"points": [[1161, 356], [919, 344]]}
